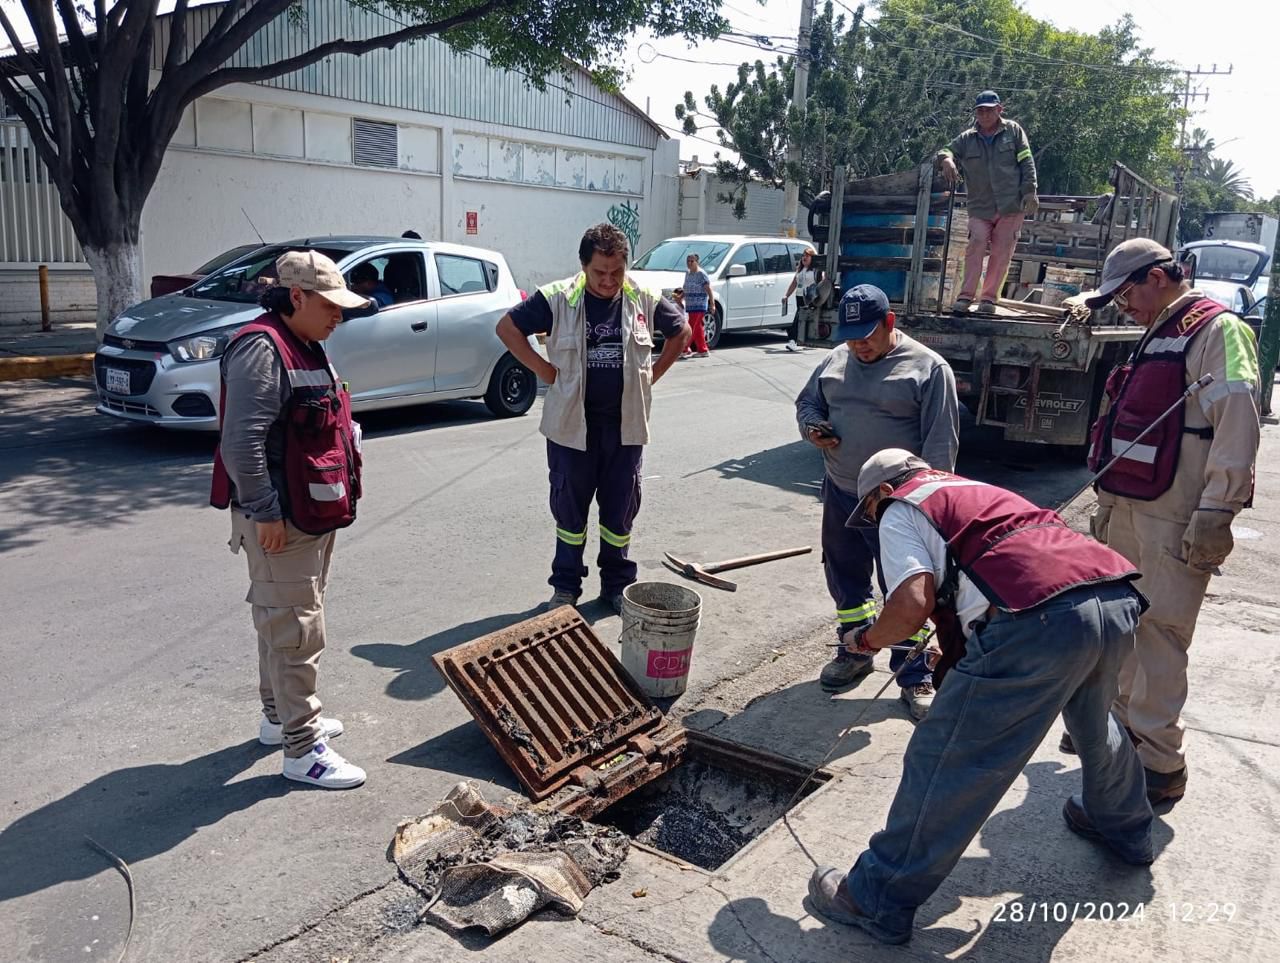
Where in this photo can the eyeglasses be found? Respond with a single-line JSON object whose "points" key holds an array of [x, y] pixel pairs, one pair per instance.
{"points": [[1121, 298]]}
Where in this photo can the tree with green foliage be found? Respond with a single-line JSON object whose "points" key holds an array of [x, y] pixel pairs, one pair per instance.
{"points": [[888, 88], [101, 119]]}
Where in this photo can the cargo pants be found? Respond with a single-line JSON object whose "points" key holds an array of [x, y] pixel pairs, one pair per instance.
{"points": [[286, 590], [999, 238], [1153, 679], [608, 472], [848, 560]]}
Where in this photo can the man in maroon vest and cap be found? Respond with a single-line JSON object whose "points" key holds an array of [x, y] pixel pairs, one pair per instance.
{"points": [[1026, 640], [1168, 503], [288, 467]]}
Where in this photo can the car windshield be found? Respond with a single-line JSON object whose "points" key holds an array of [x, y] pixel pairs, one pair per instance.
{"points": [[1226, 263], [241, 282], [225, 258], [671, 255]]}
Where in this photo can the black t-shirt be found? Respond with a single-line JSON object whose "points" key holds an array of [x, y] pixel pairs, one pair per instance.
{"points": [[604, 344]]}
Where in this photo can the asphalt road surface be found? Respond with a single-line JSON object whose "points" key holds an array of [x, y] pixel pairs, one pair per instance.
{"points": [[129, 661]]}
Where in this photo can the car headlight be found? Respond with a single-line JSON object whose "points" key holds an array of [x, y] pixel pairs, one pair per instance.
{"points": [[201, 347]]}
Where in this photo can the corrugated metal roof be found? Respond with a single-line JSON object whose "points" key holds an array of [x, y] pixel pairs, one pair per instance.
{"points": [[427, 76]]}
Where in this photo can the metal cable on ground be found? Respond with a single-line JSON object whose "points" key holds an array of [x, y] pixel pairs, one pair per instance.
{"points": [[123, 867], [916, 651]]}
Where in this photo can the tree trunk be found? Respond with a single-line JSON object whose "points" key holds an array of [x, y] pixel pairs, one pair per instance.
{"points": [[117, 274]]}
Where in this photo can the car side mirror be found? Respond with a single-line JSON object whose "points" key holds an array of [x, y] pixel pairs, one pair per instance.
{"points": [[737, 270], [350, 314]]}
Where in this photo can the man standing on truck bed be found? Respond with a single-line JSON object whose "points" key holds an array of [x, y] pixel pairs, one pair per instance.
{"points": [[880, 389], [1167, 505], [994, 156]]}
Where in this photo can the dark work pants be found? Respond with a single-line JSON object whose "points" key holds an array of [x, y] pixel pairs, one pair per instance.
{"points": [[609, 472], [849, 559]]}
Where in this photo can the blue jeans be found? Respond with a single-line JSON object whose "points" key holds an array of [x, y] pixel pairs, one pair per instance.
{"points": [[849, 559], [991, 713]]}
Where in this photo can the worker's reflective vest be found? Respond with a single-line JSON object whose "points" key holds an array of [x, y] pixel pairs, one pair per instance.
{"points": [[1017, 554], [564, 418], [1137, 393], [321, 460]]}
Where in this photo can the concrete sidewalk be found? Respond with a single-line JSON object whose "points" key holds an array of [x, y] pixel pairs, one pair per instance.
{"points": [[1211, 894], [28, 352]]}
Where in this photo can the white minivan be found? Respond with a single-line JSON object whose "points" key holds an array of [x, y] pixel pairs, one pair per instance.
{"points": [[749, 276]]}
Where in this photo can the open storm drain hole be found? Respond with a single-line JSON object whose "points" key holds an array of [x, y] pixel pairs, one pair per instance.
{"points": [[704, 811]]}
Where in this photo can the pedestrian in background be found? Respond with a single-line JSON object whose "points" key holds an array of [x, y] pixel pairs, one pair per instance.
{"points": [[879, 389], [805, 287], [288, 467], [699, 300], [600, 369], [994, 156]]}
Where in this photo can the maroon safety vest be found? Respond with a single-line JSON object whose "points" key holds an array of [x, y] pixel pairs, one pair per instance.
{"points": [[321, 462], [1017, 554], [1138, 392]]}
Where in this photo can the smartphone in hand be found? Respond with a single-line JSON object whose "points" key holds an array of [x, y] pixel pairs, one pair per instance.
{"points": [[822, 429]]}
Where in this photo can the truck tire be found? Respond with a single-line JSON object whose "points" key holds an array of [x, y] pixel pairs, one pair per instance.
{"points": [[512, 388]]}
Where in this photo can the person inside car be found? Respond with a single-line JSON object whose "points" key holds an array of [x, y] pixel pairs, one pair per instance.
{"points": [[365, 282]]}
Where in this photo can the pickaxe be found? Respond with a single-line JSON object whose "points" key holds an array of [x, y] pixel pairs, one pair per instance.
{"points": [[704, 573]]}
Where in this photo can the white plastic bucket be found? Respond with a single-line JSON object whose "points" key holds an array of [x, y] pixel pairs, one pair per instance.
{"points": [[659, 622]]}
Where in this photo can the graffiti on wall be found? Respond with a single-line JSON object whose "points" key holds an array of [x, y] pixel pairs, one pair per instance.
{"points": [[626, 218]]}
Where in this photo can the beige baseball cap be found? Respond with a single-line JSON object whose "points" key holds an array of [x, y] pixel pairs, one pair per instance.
{"points": [[312, 271], [1125, 258], [885, 465]]}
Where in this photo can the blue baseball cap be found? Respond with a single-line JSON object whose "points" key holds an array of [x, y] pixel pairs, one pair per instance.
{"points": [[988, 98], [861, 310]]}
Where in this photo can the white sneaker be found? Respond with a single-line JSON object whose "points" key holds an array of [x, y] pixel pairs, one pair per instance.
{"points": [[792, 346], [272, 733], [324, 768]]}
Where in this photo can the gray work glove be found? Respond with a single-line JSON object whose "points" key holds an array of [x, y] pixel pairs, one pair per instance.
{"points": [[1207, 541], [1099, 522], [1030, 204]]}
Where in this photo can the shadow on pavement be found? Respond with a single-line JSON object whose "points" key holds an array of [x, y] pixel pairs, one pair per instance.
{"points": [[796, 467], [1014, 872], [462, 751], [136, 813], [416, 677]]}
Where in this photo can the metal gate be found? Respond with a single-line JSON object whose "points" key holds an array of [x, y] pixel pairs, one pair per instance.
{"points": [[33, 229]]}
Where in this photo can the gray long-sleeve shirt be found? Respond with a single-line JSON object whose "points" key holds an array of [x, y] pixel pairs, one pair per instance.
{"points": [[252, 442], [906, 399]]}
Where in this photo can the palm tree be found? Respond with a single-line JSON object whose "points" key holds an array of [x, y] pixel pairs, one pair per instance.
{"points": [[1225, 176]]}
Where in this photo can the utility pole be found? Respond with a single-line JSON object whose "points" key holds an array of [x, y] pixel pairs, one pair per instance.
{"points": [[799, 98], [1188, 95], [1269, 343]]}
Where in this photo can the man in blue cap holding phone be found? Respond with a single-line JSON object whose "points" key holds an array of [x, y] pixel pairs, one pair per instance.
{"points": [[877, 389]]}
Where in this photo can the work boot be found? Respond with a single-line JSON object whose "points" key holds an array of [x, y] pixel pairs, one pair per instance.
{"points": [[614, 601], [961, 305], [918, 698], [324, 768], [1069, 747], [1165, 786], [561, 597], [845, 669], [831, 900], [986, 306], [272, 733], [1078, 822]]}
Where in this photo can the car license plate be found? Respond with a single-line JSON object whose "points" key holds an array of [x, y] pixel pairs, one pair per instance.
{"points": [[117, 381]]}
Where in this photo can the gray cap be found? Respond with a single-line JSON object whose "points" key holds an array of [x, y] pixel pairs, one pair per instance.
{"points": [[885, 465], [1124, 259], [988, 98]]}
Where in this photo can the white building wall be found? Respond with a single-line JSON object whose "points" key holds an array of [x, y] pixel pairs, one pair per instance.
{"points": [[286, 159]]}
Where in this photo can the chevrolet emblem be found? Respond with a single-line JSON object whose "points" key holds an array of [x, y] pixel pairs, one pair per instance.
{"points": [[127, 344]]}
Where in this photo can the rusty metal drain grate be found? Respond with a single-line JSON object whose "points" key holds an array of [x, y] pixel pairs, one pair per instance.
{"points": [[549, 696]]}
